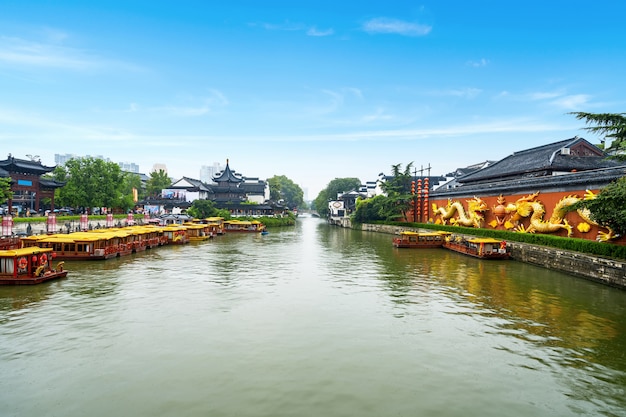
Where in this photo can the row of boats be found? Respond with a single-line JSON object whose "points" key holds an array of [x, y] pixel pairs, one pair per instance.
{"points": [[483, 248], [38, 258]]}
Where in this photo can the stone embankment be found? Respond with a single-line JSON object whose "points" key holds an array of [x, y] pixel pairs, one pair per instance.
{"points": [[603, 270]]}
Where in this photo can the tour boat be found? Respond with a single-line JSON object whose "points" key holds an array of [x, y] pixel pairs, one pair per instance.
{"points": [[99, 244], [483, 248], [10, 242], [419, 240], [216, 225], [176, 234], [26, 266], [254, 226], [197, 232]]}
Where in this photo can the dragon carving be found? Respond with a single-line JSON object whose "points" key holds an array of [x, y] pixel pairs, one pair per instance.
{"points": [[473, 217], [529, 206]]}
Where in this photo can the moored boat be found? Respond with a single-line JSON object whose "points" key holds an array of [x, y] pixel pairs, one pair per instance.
{"points": [[197, 232], [483, 248], [243, 226], [27, 266], [419, 240], [10, 242], [176, 234]]}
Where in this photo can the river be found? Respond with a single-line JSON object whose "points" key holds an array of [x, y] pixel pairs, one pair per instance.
{"points": [[311, 320]]}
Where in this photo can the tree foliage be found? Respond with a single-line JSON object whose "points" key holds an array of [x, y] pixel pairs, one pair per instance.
{"points": [[157, 182], [395, 204], [201, 209], [609, 207], [611, 125], [92, 182], [282, 188], [5, 189], [335, 187], [398, 190]]}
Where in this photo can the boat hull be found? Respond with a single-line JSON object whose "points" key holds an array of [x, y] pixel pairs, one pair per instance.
{"points": [[476, 252], [31, 280]]}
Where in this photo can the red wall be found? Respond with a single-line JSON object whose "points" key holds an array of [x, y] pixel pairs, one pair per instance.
{"points": [[548, 200]]}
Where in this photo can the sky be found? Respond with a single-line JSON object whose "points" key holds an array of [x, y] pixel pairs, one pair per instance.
{"points": [[312, 90]]}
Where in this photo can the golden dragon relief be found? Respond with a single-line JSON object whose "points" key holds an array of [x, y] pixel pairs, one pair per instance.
{"points": [[526, 207], [473, 217], [530, 206]]}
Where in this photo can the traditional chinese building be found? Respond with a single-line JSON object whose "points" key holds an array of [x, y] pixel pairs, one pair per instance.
{"points": [[529, 191], [27, 184]]}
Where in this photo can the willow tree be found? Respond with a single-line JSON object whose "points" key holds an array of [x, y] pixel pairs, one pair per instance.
{"points": [[612, 126]]}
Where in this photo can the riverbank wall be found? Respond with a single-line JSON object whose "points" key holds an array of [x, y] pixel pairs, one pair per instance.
{"points": [[606, 271]]}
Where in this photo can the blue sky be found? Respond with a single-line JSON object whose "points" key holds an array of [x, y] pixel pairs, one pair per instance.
{"points": [[311, 90]]}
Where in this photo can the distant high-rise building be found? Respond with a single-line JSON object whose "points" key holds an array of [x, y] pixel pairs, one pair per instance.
{"points": [[207, 172], [62, 159], [129, 167], [125, 166], [159, 167]]}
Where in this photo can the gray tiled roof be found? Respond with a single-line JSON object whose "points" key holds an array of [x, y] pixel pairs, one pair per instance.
{"points": [[539, 161]]}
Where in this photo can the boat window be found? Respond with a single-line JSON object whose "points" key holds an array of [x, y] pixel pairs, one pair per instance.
{"points": [[6, 265]]}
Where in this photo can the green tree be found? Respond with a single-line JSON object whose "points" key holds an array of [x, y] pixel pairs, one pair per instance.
{"points": [[131, 184], [335, 187], [5, 189], [201, 209], [157, 182], [611, 125], [90, 182], [398, 190], [370, 210], [282, 188], [609, 207]]}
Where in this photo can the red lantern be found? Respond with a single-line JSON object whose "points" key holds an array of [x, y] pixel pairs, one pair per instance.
{"points": [[34, 258], [54, 255]]}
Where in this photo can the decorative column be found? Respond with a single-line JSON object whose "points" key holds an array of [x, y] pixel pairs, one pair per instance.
{"points": [[109, 221], [130, 219]]}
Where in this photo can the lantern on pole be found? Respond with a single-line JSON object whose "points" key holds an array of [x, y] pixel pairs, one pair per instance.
{"points": [[51, 223], [426, 200], [84, 222], [414, 201], [419, 193], [7, 226]]}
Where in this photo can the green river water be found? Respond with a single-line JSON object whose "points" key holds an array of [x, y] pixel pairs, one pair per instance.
{"points": [[312, 320]]}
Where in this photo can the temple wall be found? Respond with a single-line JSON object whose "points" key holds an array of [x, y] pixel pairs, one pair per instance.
{"points": [[519, 212]]}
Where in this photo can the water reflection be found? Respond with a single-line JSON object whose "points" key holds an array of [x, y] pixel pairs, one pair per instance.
{"points": [[312, 320]]}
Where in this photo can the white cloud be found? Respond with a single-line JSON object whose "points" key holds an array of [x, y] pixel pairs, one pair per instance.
{"points": [[300, 27], [313, 31], [572, 102], [400, 27], [467, 92], [18, 52], [477, 64]]}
